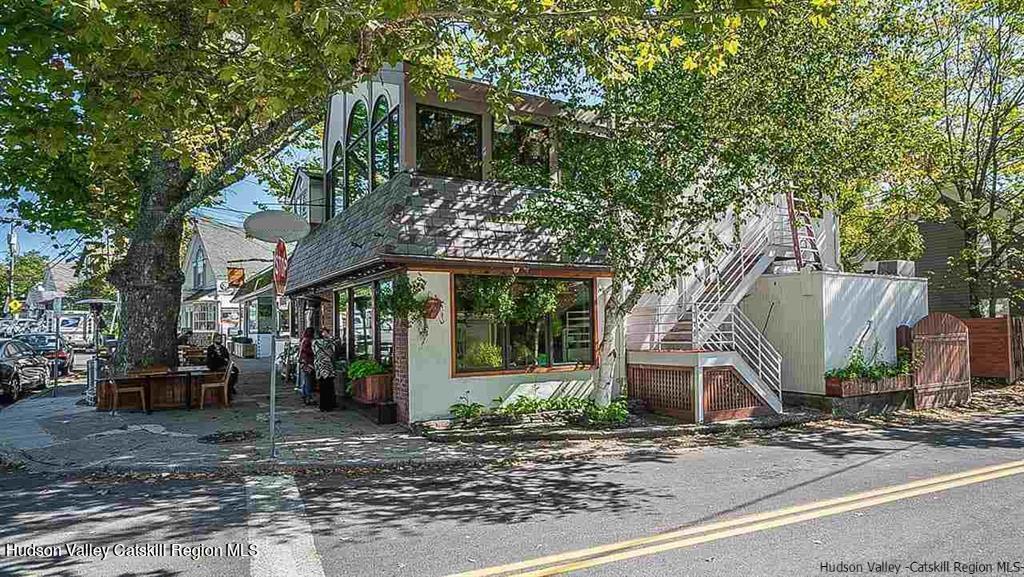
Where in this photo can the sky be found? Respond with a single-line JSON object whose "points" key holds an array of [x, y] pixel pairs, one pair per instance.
{"points": [[237, 201]]}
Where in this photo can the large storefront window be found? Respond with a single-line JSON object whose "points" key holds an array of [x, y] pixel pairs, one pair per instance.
{"points": [[506, 323], [341, 311], [362, 322], [521, 154], [385, 325], [448, 143]]}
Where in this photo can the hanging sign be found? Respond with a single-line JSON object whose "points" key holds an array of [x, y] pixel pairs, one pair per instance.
{"points": [[236, 276], [280, 267]]}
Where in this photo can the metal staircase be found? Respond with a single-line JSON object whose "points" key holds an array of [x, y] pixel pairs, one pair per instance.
{"points": [[705, 316]]}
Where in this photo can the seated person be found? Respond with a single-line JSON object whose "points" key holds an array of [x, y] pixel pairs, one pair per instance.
{"points": [[217, 359], [184, 338]]}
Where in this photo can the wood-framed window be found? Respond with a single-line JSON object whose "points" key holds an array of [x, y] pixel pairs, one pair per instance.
{"points": [[204, 317], [365, 328], [518, 324], [521, 154], [449, 142]]}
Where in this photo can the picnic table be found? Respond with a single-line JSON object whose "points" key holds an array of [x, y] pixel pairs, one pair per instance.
{"points": [[163, 387]]}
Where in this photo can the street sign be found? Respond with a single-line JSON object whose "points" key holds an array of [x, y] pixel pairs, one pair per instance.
{"points": [[280, 267], [14, 307]]}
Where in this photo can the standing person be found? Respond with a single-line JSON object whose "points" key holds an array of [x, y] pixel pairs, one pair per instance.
{"points": [[323, 353], [306, 365]]}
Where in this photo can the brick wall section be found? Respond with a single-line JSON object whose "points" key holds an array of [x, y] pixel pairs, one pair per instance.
{"points": [[400, 382], [327, 315]]}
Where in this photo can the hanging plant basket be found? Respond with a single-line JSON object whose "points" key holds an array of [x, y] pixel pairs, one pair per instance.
{"points": [[432, 307]]}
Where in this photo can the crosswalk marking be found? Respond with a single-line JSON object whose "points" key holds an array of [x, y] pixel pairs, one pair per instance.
{"points": [[278, 528]]}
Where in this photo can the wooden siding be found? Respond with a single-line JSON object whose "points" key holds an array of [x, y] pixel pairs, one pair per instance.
{"points": [[947, 292], [997, 347], [664, 389]]}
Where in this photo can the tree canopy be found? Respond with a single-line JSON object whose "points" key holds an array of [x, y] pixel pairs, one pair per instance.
{"points": [[29, 269], [822, 111]]}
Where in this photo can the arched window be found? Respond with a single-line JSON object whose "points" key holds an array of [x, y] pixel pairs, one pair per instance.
{"points": [[357, 153], [381, 143], [198, 269], [337, 198]]}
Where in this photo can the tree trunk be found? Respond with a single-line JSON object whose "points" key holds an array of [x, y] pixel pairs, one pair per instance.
{"points": [[609, 355], [150, 278]]}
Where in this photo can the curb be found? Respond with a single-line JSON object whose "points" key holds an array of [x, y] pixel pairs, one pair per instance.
{"points": [[285, 468], [656, 432]]}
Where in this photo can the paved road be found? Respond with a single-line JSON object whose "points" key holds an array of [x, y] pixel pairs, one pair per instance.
{"points": [[442, 523]]}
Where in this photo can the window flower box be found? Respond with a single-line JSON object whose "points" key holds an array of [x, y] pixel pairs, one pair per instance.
{"points": [[857, 387], [372, 389]]}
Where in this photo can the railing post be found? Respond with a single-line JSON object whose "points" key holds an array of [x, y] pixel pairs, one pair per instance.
{"points": [[698, 390], [760, 354]]}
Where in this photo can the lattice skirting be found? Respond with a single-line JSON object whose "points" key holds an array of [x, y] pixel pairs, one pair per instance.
{"points": [[664, 389], [727, 396]]}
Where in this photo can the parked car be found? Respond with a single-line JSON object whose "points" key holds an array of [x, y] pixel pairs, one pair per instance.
{"points": [[21, 369], [58, 350]]}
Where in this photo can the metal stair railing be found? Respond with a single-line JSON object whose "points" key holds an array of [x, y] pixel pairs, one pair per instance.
{"points": [[737, 333]]}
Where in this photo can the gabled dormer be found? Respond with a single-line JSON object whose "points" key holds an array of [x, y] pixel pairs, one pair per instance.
{"points": [[307, 196]]}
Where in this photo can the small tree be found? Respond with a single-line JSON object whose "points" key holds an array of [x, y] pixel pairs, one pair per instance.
{"points": [[976, 55], [29, 269]]}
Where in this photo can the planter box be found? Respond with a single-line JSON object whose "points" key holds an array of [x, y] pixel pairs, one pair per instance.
{"points": [[244, 350], [372, 389], [860, 387]]}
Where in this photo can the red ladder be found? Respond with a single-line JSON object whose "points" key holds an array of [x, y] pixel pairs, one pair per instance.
{"points": [[804, 241]]}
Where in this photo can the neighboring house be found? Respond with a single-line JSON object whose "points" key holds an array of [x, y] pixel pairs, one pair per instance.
{"points": [[60, 277], [256, 301], [206, 306], [421, 188], [948, 292]]}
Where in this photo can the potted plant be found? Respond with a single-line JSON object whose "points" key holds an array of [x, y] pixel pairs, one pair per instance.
{"points": [[370, 381]]}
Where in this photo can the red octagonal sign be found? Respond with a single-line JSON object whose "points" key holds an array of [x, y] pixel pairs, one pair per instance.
{"points": [[280, 267]]}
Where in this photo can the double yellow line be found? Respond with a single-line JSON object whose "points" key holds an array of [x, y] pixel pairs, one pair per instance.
{"points": [[632, 548]]}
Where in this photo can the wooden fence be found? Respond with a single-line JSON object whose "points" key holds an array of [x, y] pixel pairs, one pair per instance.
{"points": [[940, 347], [997, 347]]}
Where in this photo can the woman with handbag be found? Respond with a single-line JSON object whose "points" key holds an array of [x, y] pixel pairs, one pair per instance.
{"points": [[324, 349]]}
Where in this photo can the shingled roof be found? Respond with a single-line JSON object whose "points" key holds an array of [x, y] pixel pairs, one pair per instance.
{"points": [[227, 246], [424, 217]]}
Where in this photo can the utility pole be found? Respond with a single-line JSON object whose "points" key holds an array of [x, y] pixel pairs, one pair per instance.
{"points": [[12, 247]]}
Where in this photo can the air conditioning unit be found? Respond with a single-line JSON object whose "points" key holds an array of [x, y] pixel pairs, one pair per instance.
{"points": [[896, 267]]}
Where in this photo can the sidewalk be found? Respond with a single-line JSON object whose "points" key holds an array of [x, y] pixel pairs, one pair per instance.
{"points": [[57, 434]]}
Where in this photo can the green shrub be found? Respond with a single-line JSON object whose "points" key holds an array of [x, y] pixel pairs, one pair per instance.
{"points": [[615, 413], [465, 410], [860, 368], [482, 355], [364, 368]]}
